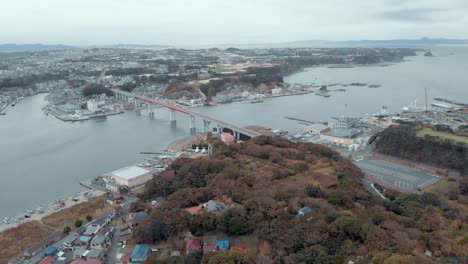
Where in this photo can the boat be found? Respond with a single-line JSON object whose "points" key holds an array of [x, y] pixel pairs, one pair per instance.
{"points": [[256, 100], [323, 93], [413, 108]]}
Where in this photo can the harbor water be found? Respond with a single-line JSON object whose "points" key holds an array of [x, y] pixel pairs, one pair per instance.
{"points": [[43, 158]]}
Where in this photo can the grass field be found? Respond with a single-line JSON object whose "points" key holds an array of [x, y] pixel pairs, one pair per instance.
{"points": [[442, 135], [94, 207], [21, 237]]}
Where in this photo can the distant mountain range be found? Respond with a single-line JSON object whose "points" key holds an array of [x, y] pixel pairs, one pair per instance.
{"points": [[315, 43], [31, 47], [391, 42]]}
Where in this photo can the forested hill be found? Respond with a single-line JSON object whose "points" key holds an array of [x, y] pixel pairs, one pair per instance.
{"points": [[403, 141], [266, 181]]}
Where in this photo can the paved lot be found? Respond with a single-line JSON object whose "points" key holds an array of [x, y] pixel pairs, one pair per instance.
{"points": [[400, 176]]}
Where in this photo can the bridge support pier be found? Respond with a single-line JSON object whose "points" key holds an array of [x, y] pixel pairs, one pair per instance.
{"points": [[236, 135], [193, 125], [172, 118], [220, 129], [206, 126], [150, 111]]}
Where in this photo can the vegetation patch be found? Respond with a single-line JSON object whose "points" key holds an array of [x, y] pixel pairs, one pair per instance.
{"points": [[442, 135]]}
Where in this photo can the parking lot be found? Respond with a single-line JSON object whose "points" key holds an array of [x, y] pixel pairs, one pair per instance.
{"points": [[396, 175]]}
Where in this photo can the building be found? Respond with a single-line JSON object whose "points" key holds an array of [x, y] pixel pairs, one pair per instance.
{"points": [[227, 138], [214, 206], [111, 186], [276, 91], [99, 242], [135, 219], [344, 142], [304, 211], [222, 244], [94, 253], [130, 176], [317, 129], [93, 105], [140, 253], [193, 244], [91, 261]]}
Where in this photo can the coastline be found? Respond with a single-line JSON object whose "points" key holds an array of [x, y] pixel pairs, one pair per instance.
{"points": [[39, 213]]}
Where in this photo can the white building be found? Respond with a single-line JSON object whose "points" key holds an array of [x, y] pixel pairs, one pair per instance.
{"points": [[276, 91], [94, 105], [131, 176]]}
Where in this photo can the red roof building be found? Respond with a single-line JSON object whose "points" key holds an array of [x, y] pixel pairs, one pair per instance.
{"points": [[209, 248], [239, 248], [227, 138], [193, 244], [46, 260]]}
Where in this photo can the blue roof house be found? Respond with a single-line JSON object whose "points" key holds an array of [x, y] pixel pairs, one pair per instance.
{"points": [[140, 253], [222, 244], [50, 251], [304, 211]]}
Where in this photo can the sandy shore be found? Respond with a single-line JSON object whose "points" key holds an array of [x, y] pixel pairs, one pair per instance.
{"points": [[182, 144], [39, 213]]}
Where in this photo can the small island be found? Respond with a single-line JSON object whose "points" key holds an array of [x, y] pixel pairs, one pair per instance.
{"points": [[428, 54]]}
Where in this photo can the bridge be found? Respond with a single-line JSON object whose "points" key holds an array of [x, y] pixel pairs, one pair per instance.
{"points": [[238, 132]]}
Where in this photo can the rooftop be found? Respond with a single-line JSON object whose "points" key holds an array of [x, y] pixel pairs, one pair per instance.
{"points": [[130, 172], [140, 252]]}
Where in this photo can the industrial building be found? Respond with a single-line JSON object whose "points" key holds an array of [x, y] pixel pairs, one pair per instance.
{"points": [[317, 129], [130, 176]]}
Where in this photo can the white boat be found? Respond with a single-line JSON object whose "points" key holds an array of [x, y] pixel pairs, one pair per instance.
{"points": [[413, 108]]}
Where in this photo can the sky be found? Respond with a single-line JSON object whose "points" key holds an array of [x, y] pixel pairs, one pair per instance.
{"points": [[193, 22]]}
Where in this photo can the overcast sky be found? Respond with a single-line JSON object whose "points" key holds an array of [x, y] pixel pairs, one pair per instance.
{"points": [[178, 22]]}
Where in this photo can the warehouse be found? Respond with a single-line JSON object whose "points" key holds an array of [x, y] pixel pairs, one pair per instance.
{"points": [[131, 176]]}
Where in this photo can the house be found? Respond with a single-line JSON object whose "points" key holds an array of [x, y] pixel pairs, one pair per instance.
{"points": [[94, 254], [227, 138], [70, 240], [222, 244], [125, 258], [84, 240], [317, 129], [194, 210], [140, 253], [99, 242], [239, 248], [135, 219], [37, 248], [193, 244], [79, 252], [209, 247], [214, 206], [304, 211], [50, 251], [91, 230], [91, 261], [46, 260]]}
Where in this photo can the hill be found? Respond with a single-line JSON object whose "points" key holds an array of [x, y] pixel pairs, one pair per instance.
{"points": [[427, 145], [266, 181]]}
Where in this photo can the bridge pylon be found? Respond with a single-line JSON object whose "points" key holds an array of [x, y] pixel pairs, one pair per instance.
{"points": [[193, 125], [172, 118], [206, 126]]}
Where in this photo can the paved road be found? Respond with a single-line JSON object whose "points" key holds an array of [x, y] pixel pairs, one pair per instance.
{"points": [[114, 249]]}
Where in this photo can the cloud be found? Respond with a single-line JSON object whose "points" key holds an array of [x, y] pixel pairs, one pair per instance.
{"points": [[87, 22], [405, 15]]}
